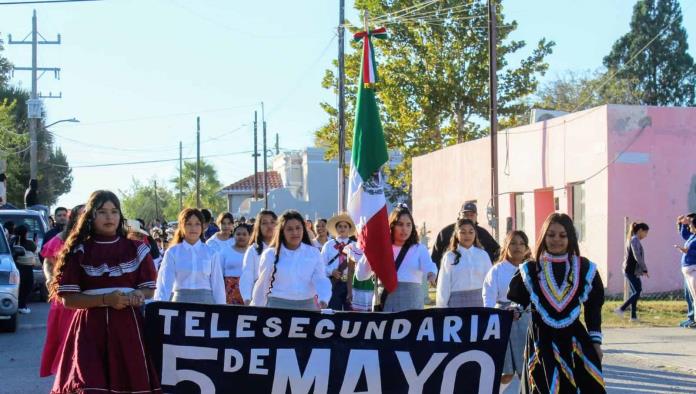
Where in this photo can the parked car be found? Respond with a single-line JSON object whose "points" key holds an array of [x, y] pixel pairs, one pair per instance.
{"points": [[37, 223], [9, 287]]}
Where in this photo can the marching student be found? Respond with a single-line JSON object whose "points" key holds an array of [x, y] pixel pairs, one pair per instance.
{"points": [[322, 234], [292, 271], [223, 238], [342, 228], [412, 262], [261, 237], [561, 355], [232, 259], [463, 269], [634, 267], [106, 278], [495, 288], [191, 270]]}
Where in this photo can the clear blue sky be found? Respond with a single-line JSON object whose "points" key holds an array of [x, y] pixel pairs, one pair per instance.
{"points": [[136, 73]]}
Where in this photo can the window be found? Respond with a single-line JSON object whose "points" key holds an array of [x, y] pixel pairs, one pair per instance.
{"points": [[579, 216], [519, 211]]}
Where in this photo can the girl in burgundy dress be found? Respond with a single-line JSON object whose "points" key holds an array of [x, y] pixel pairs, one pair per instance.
{"points": [[105, 277]]}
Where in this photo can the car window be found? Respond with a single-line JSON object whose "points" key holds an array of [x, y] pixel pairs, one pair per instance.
{"points": [[4, 248], [33, 223]]}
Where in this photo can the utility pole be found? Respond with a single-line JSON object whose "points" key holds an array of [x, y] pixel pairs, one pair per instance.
{"points": [[341, 110], [34, 103], [277, 144], [156, 202], [256, 158], [493, 89], [198, 162], [265, 167], [181, 176]]}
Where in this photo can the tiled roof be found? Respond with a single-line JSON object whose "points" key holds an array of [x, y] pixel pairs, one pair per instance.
{"points": [[247, 184]]}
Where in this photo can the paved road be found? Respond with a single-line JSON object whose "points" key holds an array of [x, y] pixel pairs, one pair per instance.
{"points": [[640, 360]]}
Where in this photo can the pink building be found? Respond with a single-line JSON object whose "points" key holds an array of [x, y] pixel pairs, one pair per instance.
{"points": [[604, 166]]}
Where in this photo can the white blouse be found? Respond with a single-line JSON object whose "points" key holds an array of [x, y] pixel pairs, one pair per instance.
{"points": [[250, 271], [187, 266], [468, 274], [231, 262], [416, 263], [497, 283], [329, 252], [299, 275], [217, 244]]}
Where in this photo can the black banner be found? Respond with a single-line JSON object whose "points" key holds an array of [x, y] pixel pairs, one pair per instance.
{"points": [[236, 349]]}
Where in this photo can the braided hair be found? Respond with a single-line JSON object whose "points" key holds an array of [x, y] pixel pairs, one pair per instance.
{"points": [[279, 238], [256, 239], [454, 241]]}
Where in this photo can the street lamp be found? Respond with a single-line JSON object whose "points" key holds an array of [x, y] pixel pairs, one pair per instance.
{"points": [[72, 120]]}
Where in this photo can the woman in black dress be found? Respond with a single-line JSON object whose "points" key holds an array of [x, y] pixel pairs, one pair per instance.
{"points": [[561, 355]]}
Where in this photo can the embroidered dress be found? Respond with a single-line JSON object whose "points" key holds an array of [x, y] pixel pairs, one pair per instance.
{"points": [[104, 350], [560, 356]]}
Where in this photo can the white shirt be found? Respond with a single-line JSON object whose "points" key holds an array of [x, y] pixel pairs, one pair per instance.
{"points": [[217, 244], [231, 262], [187, 266], [299, 275], [497, 283], [250, 271], [468, 274], [329, 252], [416, 263]]}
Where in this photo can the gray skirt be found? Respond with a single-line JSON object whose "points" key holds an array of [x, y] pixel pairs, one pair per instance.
{"points": [[465, 299], [407, 296], [282, 303], [199, 296], [514, 355]]}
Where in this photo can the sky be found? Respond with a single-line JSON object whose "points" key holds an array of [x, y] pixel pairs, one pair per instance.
{"points": [[136, 73]]}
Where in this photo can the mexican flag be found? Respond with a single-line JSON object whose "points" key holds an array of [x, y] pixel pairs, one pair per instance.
{"points": [[366, 202]]}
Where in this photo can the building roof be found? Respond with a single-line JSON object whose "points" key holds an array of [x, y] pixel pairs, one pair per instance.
{"points": [[247, 184]]}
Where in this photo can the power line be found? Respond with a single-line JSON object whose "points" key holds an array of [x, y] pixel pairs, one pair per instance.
{"points": [[44, 2], [149, 161], [164, 115]]}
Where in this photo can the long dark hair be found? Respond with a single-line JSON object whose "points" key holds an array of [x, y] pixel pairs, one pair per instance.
{"points": [[84, 231], [634, 228], [394, 217], [279, 237], [73, 216], [222, 216], [505, 250], [454, 241], [185, 215], [567, 223], [256, 238]]}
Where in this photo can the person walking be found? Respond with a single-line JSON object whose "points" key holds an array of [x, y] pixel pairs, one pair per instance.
{"points": [[209, 227], [463, 269], [223, 239], [634, 267], [322, 233], [687, 229], [25, 265], [292, 272], [342, 228], [261, 237], [191, 270], [60, 217], [562, 355], [232, 260]]}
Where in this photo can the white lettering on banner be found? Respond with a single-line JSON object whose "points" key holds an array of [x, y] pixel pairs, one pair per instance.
{"points": [[426, 330], [296, 330], [346, 326], [400, 329], [171, 376], [493, 328], [256, 363], [415, 380], [168, 314], [243, 324], [484, 361], [214, 331], [192, 321], [360, 361], [287, 372], [376, 330], [238, 361], [273, 328], [473, 334], [324, 329], [452, 325]]}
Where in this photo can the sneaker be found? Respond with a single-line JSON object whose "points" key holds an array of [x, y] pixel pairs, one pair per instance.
{"points": [[634, 320], [691, 325], [619, 312], [685, 323], [24, 311]]}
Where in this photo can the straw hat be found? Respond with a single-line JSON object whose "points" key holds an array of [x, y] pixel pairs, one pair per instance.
{"points": [[342, 217], [134, 227]]}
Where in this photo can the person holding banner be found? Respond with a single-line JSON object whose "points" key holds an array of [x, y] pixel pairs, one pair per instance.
{"points": [[342, 228], [105, 277], [412, 261], [261, 236], [292, 271], [191, 271], [561, 355], [231, 261], [495, 288], [463, 269]]}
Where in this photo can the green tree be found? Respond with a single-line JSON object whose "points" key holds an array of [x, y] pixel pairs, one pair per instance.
{"points": [[5, 67], [139, 201], [663, 73], [433, 85], [210, 187]]}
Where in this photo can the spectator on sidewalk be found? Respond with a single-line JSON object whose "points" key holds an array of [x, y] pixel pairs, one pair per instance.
{"points": [[60, 217], [689, 322], [687, 229], [634, 267]]}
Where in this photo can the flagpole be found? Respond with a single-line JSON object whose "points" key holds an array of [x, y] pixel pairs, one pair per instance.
{"points": [[341, 111]]}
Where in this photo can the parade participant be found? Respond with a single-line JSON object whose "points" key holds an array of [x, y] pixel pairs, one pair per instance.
{"points": [[106, 278], [59, 317], [60, 216], [322, 234], [495, 288], [223, 238], [25, 265], [634, 267], [191, 271], [411, 260], [261, 236], [463, 269], [468, 211], [687, 229], [232, 259], [209, 226], [342, 228], [561, 356], [292, 271]]}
